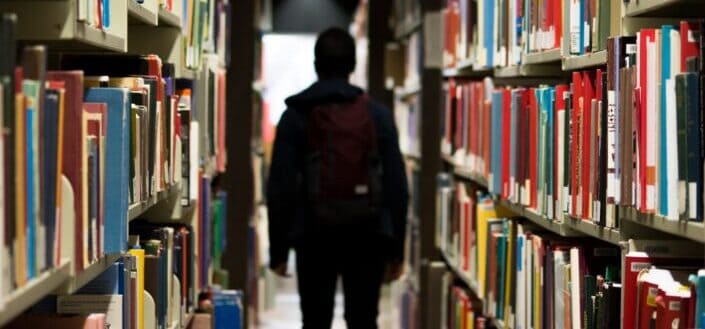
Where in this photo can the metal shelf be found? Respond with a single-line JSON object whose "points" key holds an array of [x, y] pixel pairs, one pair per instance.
{"points": [[560, 228], [465, 69], [55, 24], [529, 71], [690, 230], [573, 63], [168, 18], [548, 56], [36, 289], [137, 209], [665, 8], [139, 13], [89, 273], [612, 236]]}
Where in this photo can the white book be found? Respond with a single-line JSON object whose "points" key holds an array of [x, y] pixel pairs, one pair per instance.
{"points": [[672, 146], [193, 160], [575, 288], [558, 277], [520, 296], [651, 121], [574, 27]]}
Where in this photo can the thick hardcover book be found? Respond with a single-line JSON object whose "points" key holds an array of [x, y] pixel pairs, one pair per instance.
{"points": [[117, 164], [52, 132], [73, 144], [8, 22], [694, 146]]}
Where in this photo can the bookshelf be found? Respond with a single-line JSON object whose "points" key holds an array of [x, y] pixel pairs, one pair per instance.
{"points": [[548, 56], [538, 63], [574, 63], [136, 32], [140, 208], [56, 25], [665, 8], [168, 18], [21, 299], [77, 281], [145, 13]]}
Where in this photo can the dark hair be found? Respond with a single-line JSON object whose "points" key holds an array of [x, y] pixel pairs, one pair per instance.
{"points": [[335, 54]]}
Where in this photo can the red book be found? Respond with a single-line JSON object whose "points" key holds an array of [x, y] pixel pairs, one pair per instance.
{"points": [[574, 141], [472, 119], [643, 80], [221, 155], [533, 147], [672, 307], [459, 119], [524, 142], [558, 23], [450, 99], [588, 96], [73, 144], [487, 136], [689, 42], [506, 140]]}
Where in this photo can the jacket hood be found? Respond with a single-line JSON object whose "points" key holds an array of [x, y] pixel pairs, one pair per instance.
{"points": [[323, 92]]}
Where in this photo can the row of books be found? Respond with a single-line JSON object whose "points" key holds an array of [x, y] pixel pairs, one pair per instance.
{"points": [[205, 27], [499, 32], [84, 143], [95, 13], [526, 277], [617, 137], [168, 264]]}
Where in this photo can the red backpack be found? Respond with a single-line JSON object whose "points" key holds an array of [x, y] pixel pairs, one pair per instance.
{"points": [[343, 167]]}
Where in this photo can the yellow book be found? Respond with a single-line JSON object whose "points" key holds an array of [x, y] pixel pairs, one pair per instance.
{"points": [[59, 173], [508, 310], [139, 260], [20, 246], [486, 211]]}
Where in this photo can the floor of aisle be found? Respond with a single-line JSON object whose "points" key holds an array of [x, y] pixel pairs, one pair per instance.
{"points": [[286, 314]]}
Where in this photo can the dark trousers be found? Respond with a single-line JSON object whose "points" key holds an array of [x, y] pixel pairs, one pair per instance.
{"points": [[359, 261]]}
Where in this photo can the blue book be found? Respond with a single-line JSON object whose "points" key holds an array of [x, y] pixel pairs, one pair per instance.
{"points": [[31, 177], [513, 140], [107, 283], [489, 40], [502, 269], [50, 121], [541, 168], [117, 166], [700, 303], [227, 309], [496, 147], [106, 14], [550, 96], [662, 143]]}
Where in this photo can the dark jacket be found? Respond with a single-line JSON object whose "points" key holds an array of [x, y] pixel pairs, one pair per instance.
{"points": [[286, 199]]}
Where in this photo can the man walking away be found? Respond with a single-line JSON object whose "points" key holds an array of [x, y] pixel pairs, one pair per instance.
{"points": [[337, 192]]}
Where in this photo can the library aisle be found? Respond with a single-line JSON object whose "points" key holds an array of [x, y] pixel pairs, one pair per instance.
{"points": [[553, 151]]}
